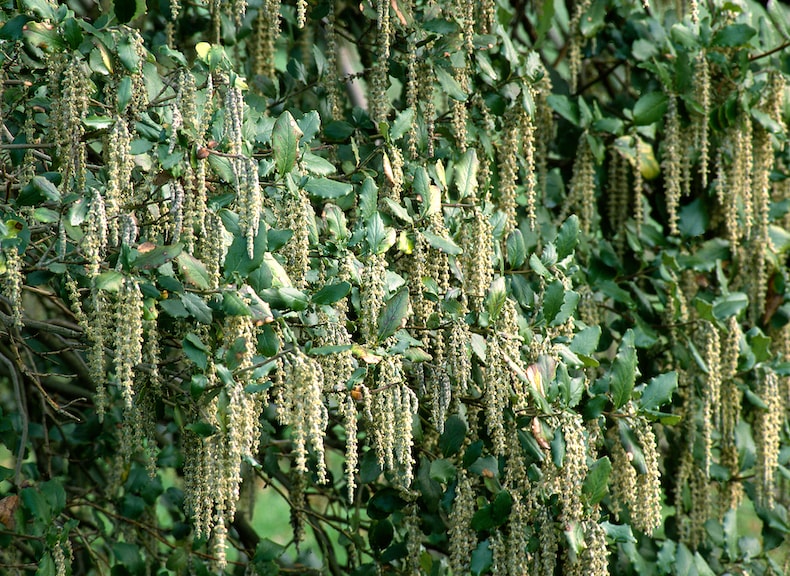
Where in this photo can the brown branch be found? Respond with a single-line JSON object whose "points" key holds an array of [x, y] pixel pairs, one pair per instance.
{"points": [[772, 51], [41, 146], [7, 320]]}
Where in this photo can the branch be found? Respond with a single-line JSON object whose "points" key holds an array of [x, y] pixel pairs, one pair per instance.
{"points": [[26, 146], [772, 51], [7, 320]]}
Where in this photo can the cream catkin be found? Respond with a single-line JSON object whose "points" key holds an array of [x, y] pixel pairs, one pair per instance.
{"points": [[768, 427], [671, 164]]}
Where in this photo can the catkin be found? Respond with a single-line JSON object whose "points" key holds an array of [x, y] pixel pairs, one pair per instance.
{"points": [[462, 538], [671, 164], [767, 432], [582, 187], [12, 281], [702, 93]]}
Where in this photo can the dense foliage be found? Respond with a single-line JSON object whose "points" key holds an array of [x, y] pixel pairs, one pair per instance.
{"points": [[471, 286]]}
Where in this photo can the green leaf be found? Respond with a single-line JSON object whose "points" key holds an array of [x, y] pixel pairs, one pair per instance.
{"points": [[43, 35], [35, 503], [658, 391], [537, 266], [643, 49], [728, 305], [442, 471], [195, 350], [381, 534], [693, 218], [465, 174], [441, 243], [222, 168], [650, 108], [285, 142], [565, 107], [38, 190], [516, 249], [55, 495], [482, 559], [168, 53], [368, 199], [486, 466], [621, 534], [593, 20], [329, 350], [767, 122], [586, 341], [238, 261], [733, 35], [195, 305], [157, 256], [501, 507], [285, 298], [478, 345], [128, 10], [574, 536], [331, 293], [759, 344], [453, 436], [569, 301], [623, 372], [704, 259], [13, 28], [450, 85], [194, 271], [596, 484], [568, 237], [558, 447], [553, 299], [174, 308], [497, 295], [234, 305], [398, 211], [202, 429], [379, 237], [317, 165], [338, 130], [545, 17], [5, 473], [127, 53], [327, 189], [109, 281], [384, 503], [401, 124], [267, 551], [310, 125], [393, 314]]}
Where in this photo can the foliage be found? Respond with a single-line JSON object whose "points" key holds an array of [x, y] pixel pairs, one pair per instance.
{"points": [[485, 287]]}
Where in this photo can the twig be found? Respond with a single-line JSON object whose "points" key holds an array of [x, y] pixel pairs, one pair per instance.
{"points": [[25, 146], [772, 51], [43, 326]]}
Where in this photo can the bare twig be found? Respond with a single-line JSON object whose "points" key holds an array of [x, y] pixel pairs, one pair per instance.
{"points": [[43, 326]]}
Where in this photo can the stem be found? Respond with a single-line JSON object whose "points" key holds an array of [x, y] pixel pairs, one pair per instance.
{"points": [[772, 51], [41, 146]]}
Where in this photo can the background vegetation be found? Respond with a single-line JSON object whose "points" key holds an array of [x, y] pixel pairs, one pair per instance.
{"points": [[439, 287]]}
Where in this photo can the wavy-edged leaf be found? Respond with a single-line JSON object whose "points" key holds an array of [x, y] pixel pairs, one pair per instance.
{"points": [[393, 314], [285, 142], [650, 108], [193, 270]]}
